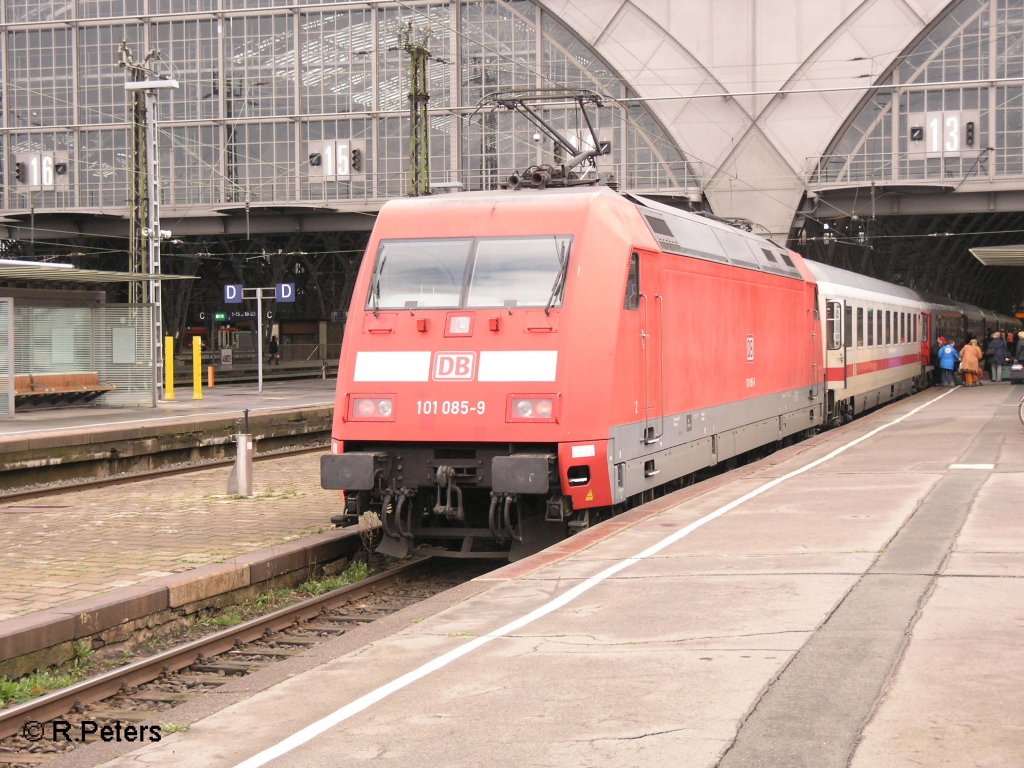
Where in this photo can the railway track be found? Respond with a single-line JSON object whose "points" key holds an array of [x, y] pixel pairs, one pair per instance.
{"points": [[146, 690]]}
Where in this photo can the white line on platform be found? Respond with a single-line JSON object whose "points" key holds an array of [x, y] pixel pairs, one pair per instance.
{"points": [[364, 702], [972, 466]]}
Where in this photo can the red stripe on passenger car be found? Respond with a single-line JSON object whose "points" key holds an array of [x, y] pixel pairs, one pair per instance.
{"points": [[871, 366]]}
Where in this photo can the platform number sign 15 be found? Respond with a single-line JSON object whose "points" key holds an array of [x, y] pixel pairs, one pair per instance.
{"points": [[337, 160]]}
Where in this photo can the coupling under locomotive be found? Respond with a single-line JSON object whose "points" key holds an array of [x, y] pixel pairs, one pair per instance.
{"points": [[516, 366]]}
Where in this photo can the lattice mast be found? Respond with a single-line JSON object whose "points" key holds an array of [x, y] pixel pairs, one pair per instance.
{"points": [[419, 97], [139, 173]]}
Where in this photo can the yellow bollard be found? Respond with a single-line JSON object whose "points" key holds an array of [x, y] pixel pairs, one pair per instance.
{"points": [[197, 368], [168, 368], [209, 376]]}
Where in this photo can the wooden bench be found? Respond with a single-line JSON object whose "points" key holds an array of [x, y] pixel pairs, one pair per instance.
{"points": [[38, 388]]}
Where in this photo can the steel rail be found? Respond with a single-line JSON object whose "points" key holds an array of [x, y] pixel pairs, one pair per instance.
{"points": [[60, 702]]}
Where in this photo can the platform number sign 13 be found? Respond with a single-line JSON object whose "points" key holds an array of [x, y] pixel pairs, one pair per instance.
{"points": [[946, 133]]}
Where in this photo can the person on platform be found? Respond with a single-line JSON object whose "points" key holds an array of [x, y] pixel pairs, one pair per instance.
{"points": [[948, 359], [998, 355], [939, 343], [274, 350], [970, 363]]}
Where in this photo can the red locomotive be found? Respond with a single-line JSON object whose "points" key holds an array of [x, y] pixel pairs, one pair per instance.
{"points": [[518, 365]]}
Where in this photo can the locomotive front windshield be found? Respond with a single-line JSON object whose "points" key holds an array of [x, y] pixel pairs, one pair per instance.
{"points": [[464, 273]]}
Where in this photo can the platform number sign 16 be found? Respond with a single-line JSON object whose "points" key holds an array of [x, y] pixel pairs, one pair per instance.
{"points": [[41, 170], [750, 347]]}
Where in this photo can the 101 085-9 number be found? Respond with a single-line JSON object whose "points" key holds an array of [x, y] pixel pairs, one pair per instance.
{"points": [[449, 407]]}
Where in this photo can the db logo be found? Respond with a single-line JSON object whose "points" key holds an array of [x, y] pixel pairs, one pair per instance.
{"points": [[454, 366]]}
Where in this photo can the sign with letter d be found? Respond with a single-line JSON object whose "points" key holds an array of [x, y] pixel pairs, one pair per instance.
{"points": [[233, 293], [286, 292]]}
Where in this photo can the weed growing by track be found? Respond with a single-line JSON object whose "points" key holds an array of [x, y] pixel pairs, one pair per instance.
{"points": [[43, 681], [356, 572]]}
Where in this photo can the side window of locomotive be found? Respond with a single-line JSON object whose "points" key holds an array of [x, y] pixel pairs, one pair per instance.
{"points": [[418, 273], [848, 327], [878, 327], [888, 327], [633, 283], [833, 326], [519, 272], [860, 326], [871, 327]]}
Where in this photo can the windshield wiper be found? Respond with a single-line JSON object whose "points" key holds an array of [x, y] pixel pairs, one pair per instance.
{"points": [[556, 289], [375, 286]]}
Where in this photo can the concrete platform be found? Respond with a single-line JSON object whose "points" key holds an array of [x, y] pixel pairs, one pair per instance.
{"points": [[854, 600], [41, 446], [224, 401]]}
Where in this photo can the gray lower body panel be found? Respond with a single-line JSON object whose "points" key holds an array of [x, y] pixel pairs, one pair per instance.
{"points": [[693, 440]]}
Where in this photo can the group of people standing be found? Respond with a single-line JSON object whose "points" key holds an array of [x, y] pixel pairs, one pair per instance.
{"points": [[971, 358]]}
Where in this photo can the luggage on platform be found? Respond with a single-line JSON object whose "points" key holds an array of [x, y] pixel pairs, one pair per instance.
{"points": [[1017, 373]]}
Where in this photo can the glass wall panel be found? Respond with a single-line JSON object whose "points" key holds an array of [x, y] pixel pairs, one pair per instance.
{"points": [[260, 77], [190, 165], [261, 162], [101, 93], [337, 64], [39, 10], [103, 162], [183, 6], [499, 48], [1010, 131], [192, 47], [1010, 41], [105, 9], [39, 73]]}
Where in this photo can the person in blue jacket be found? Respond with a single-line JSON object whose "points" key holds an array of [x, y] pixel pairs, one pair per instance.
{"points": [[948, 359]]}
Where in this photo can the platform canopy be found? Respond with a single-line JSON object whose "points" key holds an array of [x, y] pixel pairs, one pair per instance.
{"points": [[54, 272], [1000, 255]]}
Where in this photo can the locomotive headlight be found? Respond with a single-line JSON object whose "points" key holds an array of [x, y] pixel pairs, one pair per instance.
{"points": [[531, 408], [372, 408]]}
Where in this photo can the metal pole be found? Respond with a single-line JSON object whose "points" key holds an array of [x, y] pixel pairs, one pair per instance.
{"points": [[8, 305], [153, 227], [197, 368], [259, 337]]}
